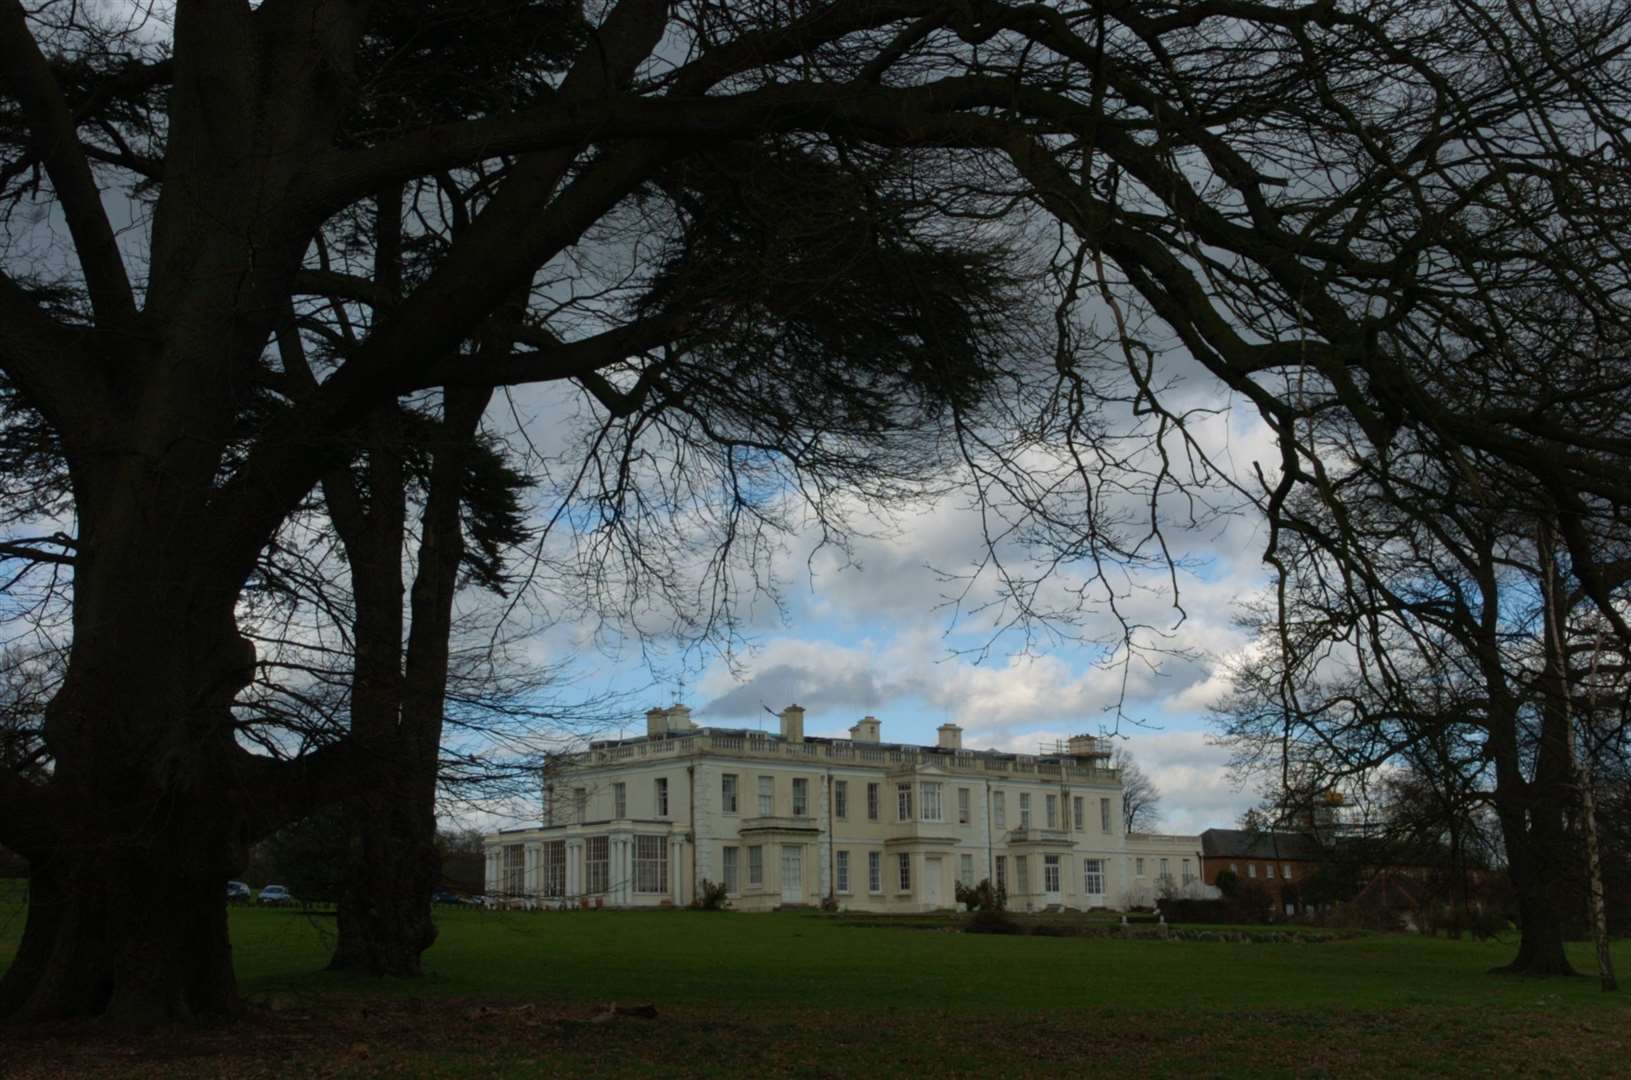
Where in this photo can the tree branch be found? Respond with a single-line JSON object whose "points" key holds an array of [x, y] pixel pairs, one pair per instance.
{"points": [[57, 142]]}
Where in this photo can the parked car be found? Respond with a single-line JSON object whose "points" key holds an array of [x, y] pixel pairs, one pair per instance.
{"points": [[276, 895], [448, 896], [237, 890]]}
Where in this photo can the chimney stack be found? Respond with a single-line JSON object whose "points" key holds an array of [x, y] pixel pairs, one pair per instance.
{"points": [[792, 719], [679, 718], [865, 730], [656, 722], [951, 737]]}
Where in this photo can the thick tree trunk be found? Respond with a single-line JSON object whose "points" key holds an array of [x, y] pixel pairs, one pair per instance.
{"points": [[1540, 949], [385, 922], [128, 922]]}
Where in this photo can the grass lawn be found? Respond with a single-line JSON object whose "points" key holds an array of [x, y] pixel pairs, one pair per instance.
{"points": [[524, 994]]}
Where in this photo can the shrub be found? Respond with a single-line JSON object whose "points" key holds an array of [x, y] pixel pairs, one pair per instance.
{"points": [[1487, 924], [1228, 883], [712, 897], [991, 920], [982, 897], [1249, 904]]}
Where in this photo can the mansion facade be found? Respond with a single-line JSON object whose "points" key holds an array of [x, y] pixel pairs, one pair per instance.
{"points": [[785, 820]]}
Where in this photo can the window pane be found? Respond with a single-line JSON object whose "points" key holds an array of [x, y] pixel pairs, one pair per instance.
{"points": [[874, 871], [843, 871], [931, 802], [650, 864], [756, 865], [554, 883], [596, 865], [732, 871]]}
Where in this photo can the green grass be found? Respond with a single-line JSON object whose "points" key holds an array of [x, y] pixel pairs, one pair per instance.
{"points": [[810, 994], [789, 960]]}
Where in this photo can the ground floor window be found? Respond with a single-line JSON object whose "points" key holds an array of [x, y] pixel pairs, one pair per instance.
{"points": [[554, 882], [874, 872], [1093, 877], [1050, 873], [651, 864], [1002, 871], [905, 862], [514, 879], [732, 872], [596, 865], [756, 865], [1022, 874], [965, 870], [843, 871]]}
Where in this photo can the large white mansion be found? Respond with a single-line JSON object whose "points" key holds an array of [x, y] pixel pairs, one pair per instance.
{"points": [[787, 820]]}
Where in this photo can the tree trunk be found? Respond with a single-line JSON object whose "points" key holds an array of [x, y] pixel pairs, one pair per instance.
{"points": [[1595, 914], [1532, 814], [127, 921], [385, 922], [1540, 949]]}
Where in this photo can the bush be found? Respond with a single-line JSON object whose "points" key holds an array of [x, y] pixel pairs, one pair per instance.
{"points": [[991, 920], [1352, 916], [1249, 904], [1487, 924], [712, 897], [1228, 883], [982, 897]]}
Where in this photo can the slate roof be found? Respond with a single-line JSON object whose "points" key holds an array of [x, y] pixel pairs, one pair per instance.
{"points": [[1241, 844]]}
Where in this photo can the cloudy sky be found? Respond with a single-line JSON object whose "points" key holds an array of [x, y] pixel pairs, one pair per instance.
{"points": [[873, 634]]}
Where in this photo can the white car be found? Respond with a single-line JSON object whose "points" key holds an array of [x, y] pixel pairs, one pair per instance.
{"points": [[276, 895]]}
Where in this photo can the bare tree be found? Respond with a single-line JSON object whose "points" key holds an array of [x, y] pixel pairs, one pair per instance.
{"points": [[1140, 798]]}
